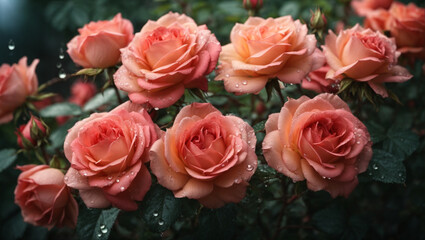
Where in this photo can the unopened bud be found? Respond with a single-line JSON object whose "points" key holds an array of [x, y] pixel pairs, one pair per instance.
{"points": [[28, 134], [318, 20], [252, 4]]}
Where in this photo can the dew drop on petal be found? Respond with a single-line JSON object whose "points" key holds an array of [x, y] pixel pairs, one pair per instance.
{"points": [[122, 189], [249, 167], [227, 75], [117, 181], [244, 83], [237, 85]]}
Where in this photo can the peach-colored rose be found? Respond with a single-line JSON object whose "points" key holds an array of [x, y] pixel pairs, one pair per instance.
{"points": [[107, 152], [164, 58], [81, 92], [317, 81], [205, 156], [407, 26], [99, 43], [377, 20], [25, 131], [318, 140], [16, 83], [363, 7], [364, 56], [44, 198], [262, 49]]}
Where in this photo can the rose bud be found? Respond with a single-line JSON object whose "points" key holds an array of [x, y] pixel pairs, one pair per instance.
{"points": [[16, 83], [44, 198], [318, 20], [33, 131], [252, 4], [81, 92]]}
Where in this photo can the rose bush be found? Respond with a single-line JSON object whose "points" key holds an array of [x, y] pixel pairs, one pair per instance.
{"points": [[107, 152], [16, 83], [364, 56], [205, 156], [318, 140], [262, 49], [164, 58], [44, 198], [98, 43]]}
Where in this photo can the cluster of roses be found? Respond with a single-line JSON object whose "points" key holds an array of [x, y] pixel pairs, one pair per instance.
{"points": [[205, 155]]}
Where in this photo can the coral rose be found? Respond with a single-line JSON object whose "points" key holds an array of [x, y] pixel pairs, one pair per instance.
{"points": [[262, 49], [364, 56], [81, 92], [363, 7], [107, 152], [44, 198], [407, 26], [318, 140], [99, 43], [29, 133], [317, 81], [205, 156], [164, 58], [377, 20], [16, 83]]}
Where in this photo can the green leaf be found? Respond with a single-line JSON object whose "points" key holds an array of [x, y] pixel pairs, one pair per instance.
{"points": [[330, 220], [401, 143], [61, 109], [160, 208], [58, 136], [259, 126], [95, 224], [7, 158], [89, 71], [14, 227], [376, 131], [108, 96], [385, 167], [217, 223]]}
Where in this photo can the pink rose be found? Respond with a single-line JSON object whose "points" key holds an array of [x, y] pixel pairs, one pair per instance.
{"points": [[107, 152], [164, 58], [364, 56], [44, 198], [205, 156], [363, 7], [16, 83], [25, 131], [407, 26], [318, 140], [317, 81], [99, 43], [377, 20], [81, 92], [262, 49]]}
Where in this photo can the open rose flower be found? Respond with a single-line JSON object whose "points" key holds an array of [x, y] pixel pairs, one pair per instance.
{"points": [[318, 140], [317, 81], [205, 156], [99, 43], [44, 198], [363, 7], [262, 49], [16, 83], [364, 56], [164, 58], [81, 92], [107, 152]]}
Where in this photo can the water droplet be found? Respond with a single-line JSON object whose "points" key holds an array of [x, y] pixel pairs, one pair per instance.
{"points": [[11, 45], [375, 167], [132, 173], [382, 177], [122, 189], [298, 71], [156, 109], [400, 174], [227, 75], [102, 226], [249, 167], [244, 83], [358, 142], [99, 235], [61, 54], [237, 85], [58, 65], [109, 177], [105, 230], [160, 222], [66, 178], [117, 180], [85, 174], [323, 177], [370, 174], [155, 214], [237, 181], [62, 73]]}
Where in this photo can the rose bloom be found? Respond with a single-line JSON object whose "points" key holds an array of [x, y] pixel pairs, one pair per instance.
{"points": [[81, 92], [164, 58], [16, 83], [317, 81], [318, 140], [262, 49], [25, 131], [407, 26], [205, 156], [363, 7], [99, 43], [364, 56], [107, 152], [377, 20], [44, 198]]}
